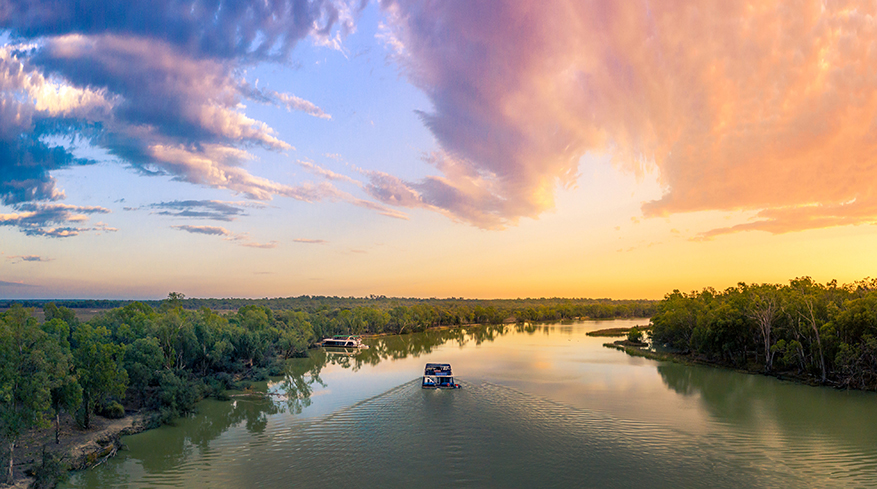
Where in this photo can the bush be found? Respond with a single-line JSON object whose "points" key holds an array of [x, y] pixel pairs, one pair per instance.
{"points": [[226, 380], [634, 335], [113, 410], [49, 472], [217, 390]]}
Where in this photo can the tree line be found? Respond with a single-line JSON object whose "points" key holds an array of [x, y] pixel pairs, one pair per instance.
{"points": [[164, 359], [825, 332], [535, 309]]}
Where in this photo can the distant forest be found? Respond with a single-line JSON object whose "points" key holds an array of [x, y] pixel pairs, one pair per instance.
{"points": [[450, 311]]}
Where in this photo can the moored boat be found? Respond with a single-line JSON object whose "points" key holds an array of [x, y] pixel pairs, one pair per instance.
{"points": [[438, 376], [344, 341]]}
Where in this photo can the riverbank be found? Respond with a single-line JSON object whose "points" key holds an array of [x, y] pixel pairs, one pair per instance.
{"points": [[78, 448], [689, 359], [615, 332]]}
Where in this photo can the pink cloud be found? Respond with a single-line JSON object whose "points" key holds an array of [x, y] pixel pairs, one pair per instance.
{"points": [[37, 219], [768, 106]]}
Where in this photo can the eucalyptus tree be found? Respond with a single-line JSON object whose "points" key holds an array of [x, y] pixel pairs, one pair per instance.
{"points": [[855, 324], [676, 318], [98, 366], [32, 365], [67, 395], [808, 304], [764, 309]]}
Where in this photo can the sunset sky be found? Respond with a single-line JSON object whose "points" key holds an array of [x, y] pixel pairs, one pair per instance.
{"points": [[448, 148]]}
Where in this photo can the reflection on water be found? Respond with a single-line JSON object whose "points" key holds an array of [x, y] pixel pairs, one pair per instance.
{"points": [[541, 406]]}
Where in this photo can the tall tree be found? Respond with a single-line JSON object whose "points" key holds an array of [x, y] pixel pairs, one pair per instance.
{"points": [[764, 309], [98, 366], [32, 364]]}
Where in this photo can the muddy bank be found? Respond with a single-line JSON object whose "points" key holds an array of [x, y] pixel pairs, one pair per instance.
{"points": [[78, 448]]}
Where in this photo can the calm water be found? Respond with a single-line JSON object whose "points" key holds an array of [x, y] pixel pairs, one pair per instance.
{"points": [[541, 406]]}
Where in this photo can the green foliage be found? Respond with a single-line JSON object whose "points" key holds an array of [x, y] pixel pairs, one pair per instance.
{"points": [[809, 328], [634, 335], [33, 363], [176, 395], [143, 360], [98, 366], [50, 471], [113, 410]]}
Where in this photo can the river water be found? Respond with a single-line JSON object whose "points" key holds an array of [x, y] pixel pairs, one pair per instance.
{"points": [[541, 406]]}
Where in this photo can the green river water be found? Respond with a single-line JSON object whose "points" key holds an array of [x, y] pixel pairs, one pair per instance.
{"points": [[541, 406]]}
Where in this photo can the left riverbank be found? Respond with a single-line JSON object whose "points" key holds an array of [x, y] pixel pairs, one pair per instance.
{"points": [[77, 449]]}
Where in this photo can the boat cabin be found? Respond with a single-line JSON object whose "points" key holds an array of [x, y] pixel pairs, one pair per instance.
{"points": [[438, 376]]}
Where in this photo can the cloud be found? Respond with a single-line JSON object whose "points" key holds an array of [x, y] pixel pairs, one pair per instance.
{"points": [[310, 241], [203, 209], [210, 230], [291, 102], [27, 258], [267, 246], [38, 219], [327, 174], [3, 283], [770, 107], [252, 31], [798, 218], [32, 107], [157, 85], [242, 238]]}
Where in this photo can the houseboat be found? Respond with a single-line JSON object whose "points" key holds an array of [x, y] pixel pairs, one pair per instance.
{"points": [[344, 341], [438, 376]]}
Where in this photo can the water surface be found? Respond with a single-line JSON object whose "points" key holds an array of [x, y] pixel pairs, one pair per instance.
{"points": [[541, 406]]}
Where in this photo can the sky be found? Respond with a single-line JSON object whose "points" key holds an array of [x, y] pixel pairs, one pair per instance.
{"points": [[446, 148]]}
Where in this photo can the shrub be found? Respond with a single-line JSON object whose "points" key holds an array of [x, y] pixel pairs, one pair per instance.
{"points": [[49, 472], [113, 410]]}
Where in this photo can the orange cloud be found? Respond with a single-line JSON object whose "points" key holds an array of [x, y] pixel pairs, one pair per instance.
{"points": [[767, 106]]}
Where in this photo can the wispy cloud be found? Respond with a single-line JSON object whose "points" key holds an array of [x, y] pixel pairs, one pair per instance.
{"points": [[310, 241], [291, 102], [27, 258], [215, 210], [4, 283], [209, 230], [243, 239], [265, 246], [327, 174], [38, 219]]}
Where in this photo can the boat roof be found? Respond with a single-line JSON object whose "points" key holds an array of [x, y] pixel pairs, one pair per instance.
{"points": [[437, 369]]}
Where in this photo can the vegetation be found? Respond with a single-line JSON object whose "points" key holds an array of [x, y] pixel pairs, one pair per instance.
{"points": [[824, 332], [468, 310], [165, 356], [613, 332]]}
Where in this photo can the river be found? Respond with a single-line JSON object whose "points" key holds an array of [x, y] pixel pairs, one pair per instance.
{"points": [[541, 406]]}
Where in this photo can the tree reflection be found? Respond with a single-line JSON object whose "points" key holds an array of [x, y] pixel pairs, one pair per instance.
{"points": [[762, 404], [297, 385]]}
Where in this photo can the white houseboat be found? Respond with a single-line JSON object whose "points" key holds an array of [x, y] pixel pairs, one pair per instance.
{"points": [[344, 341], [438, 376]]}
